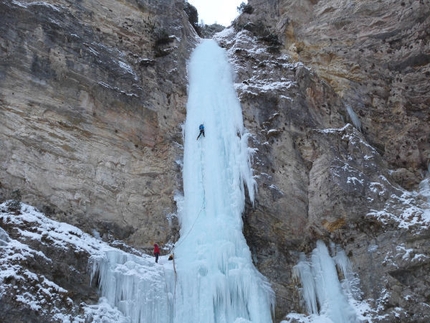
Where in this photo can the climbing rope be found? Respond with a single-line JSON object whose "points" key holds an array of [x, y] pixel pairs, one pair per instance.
{"points": [[192, 226], [203, 203], [195, 221]]}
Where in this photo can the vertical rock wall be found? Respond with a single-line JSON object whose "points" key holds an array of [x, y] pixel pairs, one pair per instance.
{"points": [[334, 93], [375, 55], [92, 96], [341, 139]]}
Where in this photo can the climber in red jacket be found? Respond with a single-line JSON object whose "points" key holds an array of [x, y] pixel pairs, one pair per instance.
{"points": [[156, 252]]}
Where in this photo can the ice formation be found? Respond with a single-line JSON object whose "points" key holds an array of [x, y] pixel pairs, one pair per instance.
{"points": [[326, 296], [212, 279]]}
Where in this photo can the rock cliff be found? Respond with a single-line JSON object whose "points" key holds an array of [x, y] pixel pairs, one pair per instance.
{"points": [[337, 97], [375, 55], [334, 93], [92, 98]]}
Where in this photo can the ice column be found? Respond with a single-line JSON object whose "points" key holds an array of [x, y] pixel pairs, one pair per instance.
{"points": [[323, 293], [216, 279], [425, 192]]}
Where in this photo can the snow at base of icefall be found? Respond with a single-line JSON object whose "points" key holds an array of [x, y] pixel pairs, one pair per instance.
{"points": [[61, 234], [34, 290]]}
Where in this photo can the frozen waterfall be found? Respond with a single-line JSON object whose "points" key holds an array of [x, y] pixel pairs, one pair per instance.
{"points": [[216, 279], [327, 296], [212, 279]]}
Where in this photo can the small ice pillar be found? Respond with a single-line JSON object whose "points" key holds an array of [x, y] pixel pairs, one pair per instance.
{"points": [[349, 281], [322, 290], [303, 271], [424, 191]]}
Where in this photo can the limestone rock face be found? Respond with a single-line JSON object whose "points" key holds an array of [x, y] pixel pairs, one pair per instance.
{"points": [[335, 95], [342, 141], [91, 100], [375, 55]]}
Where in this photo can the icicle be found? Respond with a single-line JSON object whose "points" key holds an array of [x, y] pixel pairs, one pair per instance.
{"points": [[135, 286], [354, 118], [424, 190], [322, 291], [303, 271]]}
